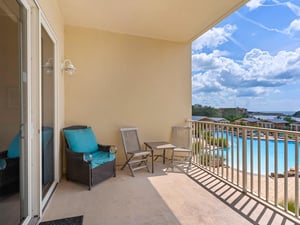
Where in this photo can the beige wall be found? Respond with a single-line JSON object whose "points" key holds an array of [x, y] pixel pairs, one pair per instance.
{"points": [[125, 81]]}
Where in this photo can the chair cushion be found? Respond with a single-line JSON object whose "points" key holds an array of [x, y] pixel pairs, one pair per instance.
{"points": [[14, 147], [81, 140], [47, 134], [98, 158]]}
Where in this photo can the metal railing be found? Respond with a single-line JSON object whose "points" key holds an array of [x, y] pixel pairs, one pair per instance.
{"points": [[259, 161]]}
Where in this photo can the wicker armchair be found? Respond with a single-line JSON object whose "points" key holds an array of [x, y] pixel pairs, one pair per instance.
{"points": [[9, 174], [81, 168]]}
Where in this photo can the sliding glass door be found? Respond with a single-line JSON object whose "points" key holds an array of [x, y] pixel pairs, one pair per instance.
{"points": [[24, 128], [13, 113], [47, 110]]}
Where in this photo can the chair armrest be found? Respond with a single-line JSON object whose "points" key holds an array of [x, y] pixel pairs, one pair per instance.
{"points": [[108, 148], [11, 167], [75, 156]]}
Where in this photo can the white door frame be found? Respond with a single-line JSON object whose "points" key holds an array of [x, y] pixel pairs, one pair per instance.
{"points": [[35, 20], [44, 23], [26, 178]]}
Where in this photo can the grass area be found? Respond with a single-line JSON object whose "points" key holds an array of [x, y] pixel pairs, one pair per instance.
{"points": [[291, 206], [210, 139]]}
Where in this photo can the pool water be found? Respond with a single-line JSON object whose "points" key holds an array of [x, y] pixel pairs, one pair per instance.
{"points": [[271, 147]]}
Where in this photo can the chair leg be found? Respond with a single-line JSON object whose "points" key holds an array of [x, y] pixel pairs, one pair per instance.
{"points": [[189, 165], [145, 162], [172, 160], [126, 163], [115, 170], [190, 162], [131, 170]]}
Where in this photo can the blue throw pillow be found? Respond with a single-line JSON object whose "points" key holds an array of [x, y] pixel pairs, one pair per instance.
{"points": [[81, 140], [14, 147]]}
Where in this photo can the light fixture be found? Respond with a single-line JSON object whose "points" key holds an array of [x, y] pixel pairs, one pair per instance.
{"points": [[68, 66], [48, 66]]}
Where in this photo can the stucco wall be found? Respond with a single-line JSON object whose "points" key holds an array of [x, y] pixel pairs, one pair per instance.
{"points": [[126, 81]]}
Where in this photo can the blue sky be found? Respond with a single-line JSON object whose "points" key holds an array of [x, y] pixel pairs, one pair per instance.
{"points": [[251, 59]]}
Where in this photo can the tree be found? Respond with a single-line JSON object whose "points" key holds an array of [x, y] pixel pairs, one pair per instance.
{"points": [[289, 119], [296, 114]]}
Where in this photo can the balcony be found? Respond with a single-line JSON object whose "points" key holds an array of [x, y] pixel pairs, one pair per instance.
{"points": [[258, 161], [167, 196]]}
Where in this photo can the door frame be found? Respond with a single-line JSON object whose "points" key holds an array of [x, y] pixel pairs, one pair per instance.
{"points": [[44, 23], [35, 204], [26, 161]]}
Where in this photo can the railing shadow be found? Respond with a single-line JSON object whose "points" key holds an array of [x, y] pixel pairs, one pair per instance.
{"points": [[245, 205]]}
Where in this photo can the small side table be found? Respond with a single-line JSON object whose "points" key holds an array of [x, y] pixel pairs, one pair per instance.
{"points": [[158, 145]]}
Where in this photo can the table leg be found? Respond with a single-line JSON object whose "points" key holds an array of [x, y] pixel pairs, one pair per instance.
{"points": [[152, 154], [164, 156]]}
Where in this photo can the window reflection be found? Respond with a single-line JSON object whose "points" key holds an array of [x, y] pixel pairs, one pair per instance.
{"points": [[10, 111], [47, 146]]}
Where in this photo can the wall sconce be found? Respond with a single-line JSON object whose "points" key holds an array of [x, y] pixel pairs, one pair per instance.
{"points": [[68, 66], [48, 66]]}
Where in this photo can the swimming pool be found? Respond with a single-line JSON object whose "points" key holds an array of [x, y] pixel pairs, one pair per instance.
{"points": [[255, 151]]}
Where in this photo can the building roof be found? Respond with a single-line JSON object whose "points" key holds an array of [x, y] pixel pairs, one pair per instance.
{"points": [[296, 119], [198, 117], [250, 120], [213, 119], [274, 121], [218, 119]]}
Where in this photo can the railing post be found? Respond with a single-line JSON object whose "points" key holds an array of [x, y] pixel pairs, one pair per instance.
{"points": [[244, 136]]}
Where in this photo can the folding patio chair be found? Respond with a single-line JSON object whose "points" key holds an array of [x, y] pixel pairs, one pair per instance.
{"points": [[181, 137], [136, 158]]}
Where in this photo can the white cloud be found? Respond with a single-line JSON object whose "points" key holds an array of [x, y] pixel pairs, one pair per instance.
{"points": [[256, 76], [203, 61], [214, 37], [293, 27], [253, 4], [295, 9]]}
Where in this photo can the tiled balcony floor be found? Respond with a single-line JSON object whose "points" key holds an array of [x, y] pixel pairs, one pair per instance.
{"points": [[165, 197]]}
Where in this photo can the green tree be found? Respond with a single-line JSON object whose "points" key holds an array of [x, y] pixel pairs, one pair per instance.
{"points": [[296, 114], [289, 119]]}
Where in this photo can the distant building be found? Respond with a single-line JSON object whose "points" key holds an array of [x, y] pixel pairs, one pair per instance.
{"points": [[210, 119], [246, 121], [295, 126], [273, 124]]}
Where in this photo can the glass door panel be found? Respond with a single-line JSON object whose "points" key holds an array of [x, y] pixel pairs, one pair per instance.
{"points": [[13, 113], [47, 113], [23, 74]]}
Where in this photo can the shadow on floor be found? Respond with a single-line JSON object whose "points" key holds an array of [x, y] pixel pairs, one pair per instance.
{"points": [[248, 207]]}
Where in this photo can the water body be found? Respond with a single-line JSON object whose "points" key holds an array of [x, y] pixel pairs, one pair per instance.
{"points": [[256, 151]]}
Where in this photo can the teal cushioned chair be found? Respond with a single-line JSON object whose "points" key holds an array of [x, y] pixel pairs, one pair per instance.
{"points": [[9, 169], [87, 161]]}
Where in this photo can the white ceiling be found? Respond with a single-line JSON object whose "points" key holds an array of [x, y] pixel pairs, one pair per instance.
{"points": [[173, 20]]}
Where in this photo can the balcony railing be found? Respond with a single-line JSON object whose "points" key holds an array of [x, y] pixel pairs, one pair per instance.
{"points": [[259, 161]]}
